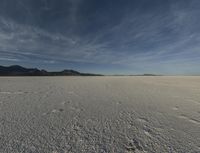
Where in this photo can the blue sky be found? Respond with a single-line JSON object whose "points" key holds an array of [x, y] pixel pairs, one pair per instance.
{"points": [[102, 36]]}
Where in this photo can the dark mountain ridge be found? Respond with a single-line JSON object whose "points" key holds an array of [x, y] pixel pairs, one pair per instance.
{"points": [[16, 70]]}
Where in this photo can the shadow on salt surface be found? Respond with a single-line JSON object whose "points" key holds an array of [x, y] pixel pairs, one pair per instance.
{"points": [[134, 146]]}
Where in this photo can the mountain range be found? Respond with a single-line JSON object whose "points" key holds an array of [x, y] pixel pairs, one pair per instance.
{"points": [[16, 70]]}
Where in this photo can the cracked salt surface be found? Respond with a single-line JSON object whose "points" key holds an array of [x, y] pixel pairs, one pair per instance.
{"points": [[99, 114]]}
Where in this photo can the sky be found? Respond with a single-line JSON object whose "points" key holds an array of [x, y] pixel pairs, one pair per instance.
{"points": [[102, 36]]}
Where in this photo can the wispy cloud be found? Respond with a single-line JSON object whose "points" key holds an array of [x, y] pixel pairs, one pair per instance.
{"points": [[9, 59]]}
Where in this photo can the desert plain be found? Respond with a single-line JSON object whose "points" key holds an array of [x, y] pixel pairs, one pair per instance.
{"points": [[105, 114]]}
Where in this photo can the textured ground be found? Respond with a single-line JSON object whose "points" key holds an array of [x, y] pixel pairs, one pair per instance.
{"points": [[99, 114]]}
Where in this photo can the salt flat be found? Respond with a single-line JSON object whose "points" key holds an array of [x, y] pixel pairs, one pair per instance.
{"points": [[100, 114]]}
